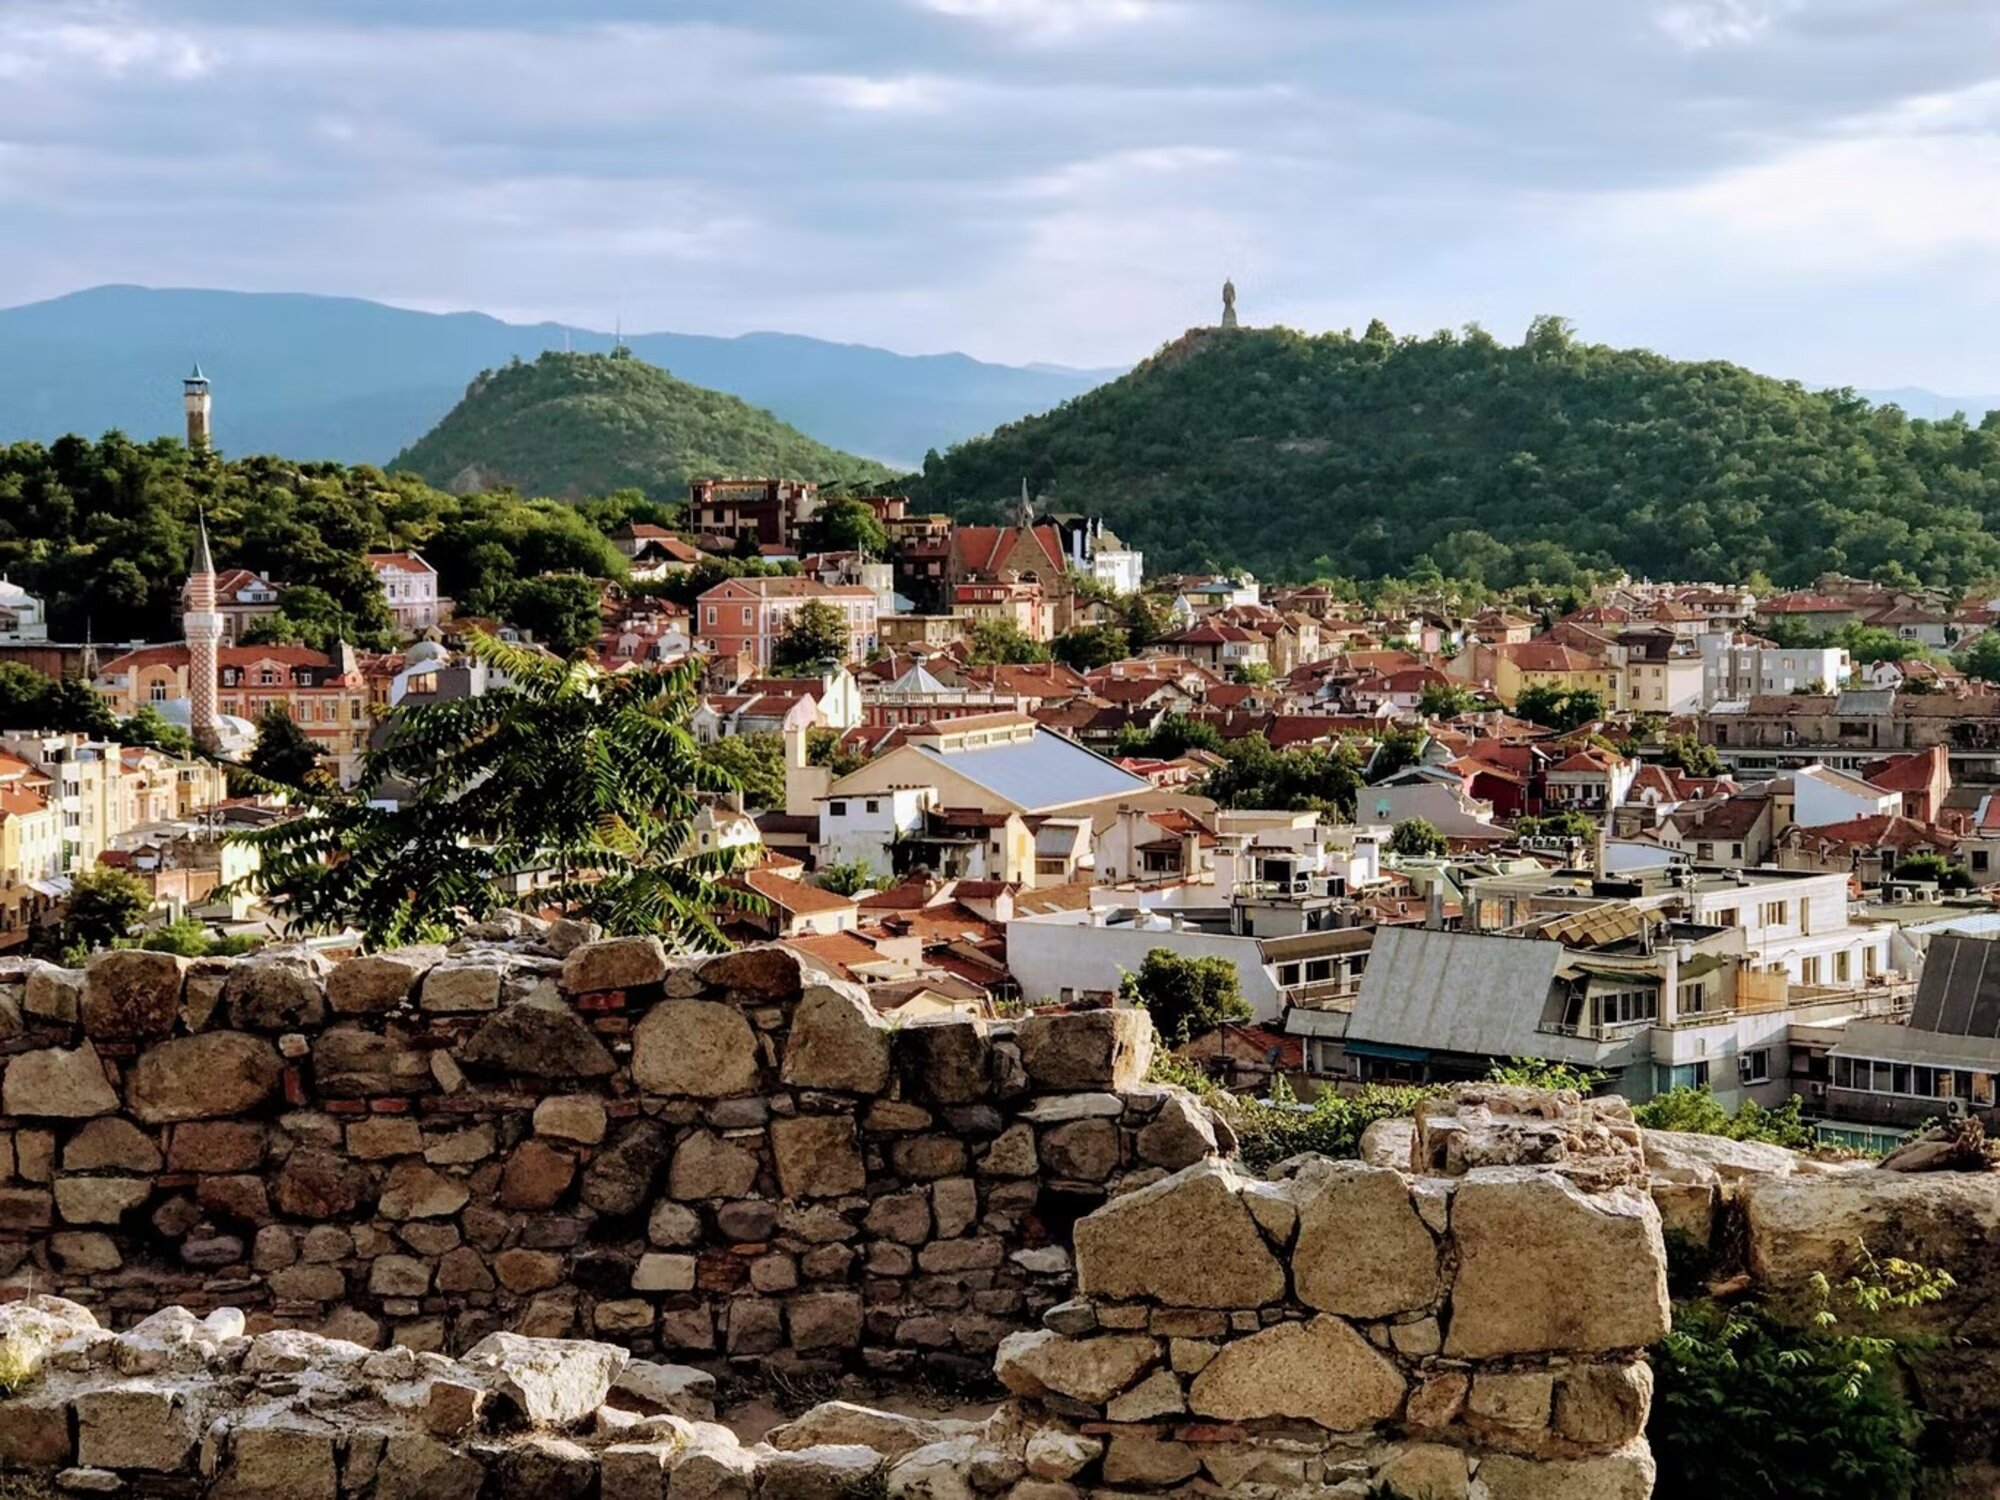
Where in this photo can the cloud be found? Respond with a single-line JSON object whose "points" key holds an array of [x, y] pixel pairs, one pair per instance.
{"points": [[909, 94], [1051, 20], [1699, 25], [33, 46]]}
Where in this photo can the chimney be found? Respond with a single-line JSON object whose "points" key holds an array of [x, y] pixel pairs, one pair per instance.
{"points": [[1434, 906]]}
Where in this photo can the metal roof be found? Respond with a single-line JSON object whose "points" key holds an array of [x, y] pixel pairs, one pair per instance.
{"points": [[1462, 992], [1959, 994], [1045, 771]]}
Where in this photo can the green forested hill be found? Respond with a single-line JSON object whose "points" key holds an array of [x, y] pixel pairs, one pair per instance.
{"points": [[1366, 456], [587, 424]]}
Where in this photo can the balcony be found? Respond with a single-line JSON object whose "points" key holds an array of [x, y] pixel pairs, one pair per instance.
{"points": [[1321, 994]]}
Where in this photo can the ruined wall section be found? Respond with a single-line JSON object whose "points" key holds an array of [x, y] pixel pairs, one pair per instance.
{"points": [[727, 1157]]}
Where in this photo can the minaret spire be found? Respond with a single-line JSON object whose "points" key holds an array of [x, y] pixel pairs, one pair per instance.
{"points": [[201, 623], [195, 401]]}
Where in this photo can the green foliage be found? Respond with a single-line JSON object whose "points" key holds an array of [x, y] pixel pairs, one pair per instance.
{"points": [[562, 612], [1417, 837], [1173, 736], [815, 636], [1169, 1067], [1186, 997], [688, 585], [284, 753], [1304, 777], [585, 780], [1556, 708], [103, 905], [587, 424], [28, 700], [845, 524], [755, 762], [311, 617], [1541, 1073], [1951, 878], [1562, 825], [148, 730], [1252, 673], [1691, 757], [848, 879], [1699, 1112], [1001, 641], [1981, 658], [1502, 465], [1269, 1130], [1445, 700], [1091, 646], [1794, 1402], [1395, 749], [823, 748], [190, 938]]}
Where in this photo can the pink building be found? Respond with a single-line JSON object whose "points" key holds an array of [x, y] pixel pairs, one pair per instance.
{"points": [[746, 616], [411, 586]]}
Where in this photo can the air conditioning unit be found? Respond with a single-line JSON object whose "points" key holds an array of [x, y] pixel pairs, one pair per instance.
{"points": [[1954, 1108], [1816, 1091]]}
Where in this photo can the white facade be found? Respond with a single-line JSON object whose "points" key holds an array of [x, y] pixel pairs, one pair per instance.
{"points": [[22, 618], [1821, 796], [1070, 954], [410, 586], [1799, 925], [1733, 671], [865, 827]]}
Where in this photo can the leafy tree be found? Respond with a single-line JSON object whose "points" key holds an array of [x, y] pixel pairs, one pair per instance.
{"points": [[848, 879], [582, 779], [755, 762], [1558, 708], [1542, 1073], [1252, 673], [1691, 757], [1868, 644], [564, 612], [1949, 876], [1186, 997], [103, 905], [309, 616], [1306, 777], [1002, 641], [190, 938], [1091, 646], [148, 730], [1562, 825], [28, 700], [1417, 837], [1981, 658], [845, 524], [1174, 736], [824, 747], [1396, 749], [1446, 700], [284, 753], [815, 635], [1698, 1111]]}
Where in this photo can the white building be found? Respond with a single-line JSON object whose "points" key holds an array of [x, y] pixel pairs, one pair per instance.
{"points": [[410, 585], [1736, 667], [1822, 796], [22, 618]]}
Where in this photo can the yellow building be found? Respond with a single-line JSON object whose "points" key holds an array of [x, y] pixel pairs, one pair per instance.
{"points": [[30, 849], [1546, 664]]}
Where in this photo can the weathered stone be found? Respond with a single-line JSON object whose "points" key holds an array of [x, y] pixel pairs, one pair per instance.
{"points": [[677, 1390], [1136, 1245], [1091, 1370], [459, 1148], [378, 982], [34, 1432], [136, 1424], [417, 1190], [315, 1184], [770, 973], [1011, 1154], [902, 1217], [626, 963], [57, 1083], [946, 1061], [660, 1272], [553, 1382], [1510, 1400], [1604, 1406], [827, 1473], [673, 1223], [1093, 1049], [458, 987], [523, 1271], [1158, 1395], [203, 1077], [216, 1146], [546, 1466], [279, 990], [384, 1136], [1427, 1469], [131, 993], [837, 1043], [1086, 1150], [315, 1283], [1362, 1251], [824, 1322], [620, 1179], [536, 1177], [116, 1144], [927, 1156], [416, 1466], [705, 1166], [841, 1422], [694, 1048], [83, 1253], [571, 1117], [1052, 1454], [99, 1200], [1529, 1247], [280, 1454], [54, 994], [1321, 1371], [351, 1063], [1139, 1458], [539, 1041], [817, 1156], [1619, 1476], [1180, 1135]]}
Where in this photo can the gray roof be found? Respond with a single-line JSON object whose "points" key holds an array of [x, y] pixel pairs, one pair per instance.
{"points": [[1865, 701], [1040, 774], [1959, 994], [1889, 1041], [1462, 992]]}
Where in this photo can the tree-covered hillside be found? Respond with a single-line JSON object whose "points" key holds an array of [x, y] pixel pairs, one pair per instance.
{"points": [[587, 424], [105, 532], [1367, 456]]}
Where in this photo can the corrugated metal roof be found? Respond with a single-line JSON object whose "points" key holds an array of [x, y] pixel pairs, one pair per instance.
{"points": [[1460, 992], [1046, 771], [1886, 1041], [1960, 991]]}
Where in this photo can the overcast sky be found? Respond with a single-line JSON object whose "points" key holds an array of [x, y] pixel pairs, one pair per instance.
{"points": [[1811, 187]]}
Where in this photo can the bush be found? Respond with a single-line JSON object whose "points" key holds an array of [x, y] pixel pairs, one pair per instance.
{"points": [[1697, 1111], [1269, 1130], [1186, 997], [1757, 1401]]}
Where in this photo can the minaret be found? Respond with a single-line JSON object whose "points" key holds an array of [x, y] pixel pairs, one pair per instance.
{"points": [[1024, 510], [203, 628], [194, 397], [1228, 305]]}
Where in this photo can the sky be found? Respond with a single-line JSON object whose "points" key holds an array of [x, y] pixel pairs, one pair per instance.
{"points": [[1809, 187]]}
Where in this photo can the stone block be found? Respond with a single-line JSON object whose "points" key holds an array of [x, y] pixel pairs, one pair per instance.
{"points": [[216, 1146], [837, 1043], [461, 988], [136, 1424], [706, 1166], [376, 983], [114, 1144], [277, 990], [130, 994], [824, 1322], [280, 1456], [1362, 1250], [1321, 1371], [944, 1062], [571, 1117], [537, 1039], [621, 1177], [382, 1136], [818, 1156], [57, 1083], [1187, 1241], [694, 1049], [625, 963], [1093, 1049], [416, 1466], [536, 1176], [1627, 1475], [351, 1063], [99, 1200], [1091, 1370], [553, 1382], [417, 1190], [1531, 1251]]}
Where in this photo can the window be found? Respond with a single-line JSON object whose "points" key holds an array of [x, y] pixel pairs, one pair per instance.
{"points": [[1772, 914], [836, 809], [874, 805], [1754, 1066], [1319, 970], [1735, 851], [1288, 975], [1692, 997], [1979, 861], [1727, 917], [1843, 967], [1809, 970], [711, 613], [157, 692]]}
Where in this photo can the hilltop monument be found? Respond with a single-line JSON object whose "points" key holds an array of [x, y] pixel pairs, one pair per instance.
{"points": [[1229, 304], [202, 627]]}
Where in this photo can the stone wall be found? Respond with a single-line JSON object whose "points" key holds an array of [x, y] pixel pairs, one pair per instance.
{"points": [[719, 1158]]}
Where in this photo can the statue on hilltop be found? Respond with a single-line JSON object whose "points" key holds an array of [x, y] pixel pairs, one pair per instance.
{"points": [[1228, 304]]}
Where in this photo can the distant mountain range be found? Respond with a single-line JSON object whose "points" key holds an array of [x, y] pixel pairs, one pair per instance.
{"points": [[342, 378], [1929, 405]]}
